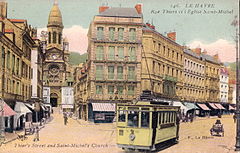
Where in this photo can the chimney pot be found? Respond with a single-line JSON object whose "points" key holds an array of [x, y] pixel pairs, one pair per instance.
{"points": [[138, 7], [172, 35], [103, 8]]}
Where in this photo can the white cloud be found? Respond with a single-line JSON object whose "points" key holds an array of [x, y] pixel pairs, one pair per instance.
{"points": [[77, 37], [225, 49]]}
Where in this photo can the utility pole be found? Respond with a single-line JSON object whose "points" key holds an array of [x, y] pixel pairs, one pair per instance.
{"points": [[235, 23]]}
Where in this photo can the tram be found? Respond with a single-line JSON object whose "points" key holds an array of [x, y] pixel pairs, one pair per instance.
{"points": [[143, 125]]}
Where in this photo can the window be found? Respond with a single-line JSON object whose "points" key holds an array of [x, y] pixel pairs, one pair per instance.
{"points": [[49, 37], [13, 63], [120, 34], [54, 37], [132, 54], [99, 53], [99, 90], [144, 119], [121, 116], [133, 118], [17, 68], [99, 72], [119, 72], [120, 53], [8, 60], [131, 73], [130, 90], [99, 33], [110, 72], [111, 53], [60, 38], [111, 33], [110, 89], [18, 88], [120, 90], [3, 57], [132, 34]]}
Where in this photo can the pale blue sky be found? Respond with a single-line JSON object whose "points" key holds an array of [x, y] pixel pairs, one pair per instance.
{"points": [[197, 27]]}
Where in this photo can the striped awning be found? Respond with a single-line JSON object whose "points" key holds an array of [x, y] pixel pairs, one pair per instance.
{"points": [[231, 108], [103, 107], [178, 103], [219, 106], [190, 106], [213, 106], [21, 109], [203, 107]]}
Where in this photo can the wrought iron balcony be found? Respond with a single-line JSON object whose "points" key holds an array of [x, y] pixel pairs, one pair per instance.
{"points": [[169, 78]]}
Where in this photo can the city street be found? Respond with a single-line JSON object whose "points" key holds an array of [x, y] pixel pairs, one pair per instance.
{"points": [[80, 136]]}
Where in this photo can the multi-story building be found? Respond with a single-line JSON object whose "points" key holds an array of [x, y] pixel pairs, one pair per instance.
{"points": [[36, 66], [212, 81], [194, 76], [224, 87], [16, 43], [162, 64], [56, 68], [232, 86], [114, 60]]}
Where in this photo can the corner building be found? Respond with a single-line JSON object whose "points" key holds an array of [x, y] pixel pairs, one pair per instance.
{"points": [[114, 60]]}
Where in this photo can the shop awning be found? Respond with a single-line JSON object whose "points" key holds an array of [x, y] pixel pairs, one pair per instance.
{"points": [[103, 107], [190, 106], [178, 103], [7, 111], [219, 106], [203, 107], [231, 108], [43, 107], [30, 106], [20, 108], [213, 106]]}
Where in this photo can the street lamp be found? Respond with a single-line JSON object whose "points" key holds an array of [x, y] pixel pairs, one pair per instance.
{"points": [[2, 136], [237, 112]]}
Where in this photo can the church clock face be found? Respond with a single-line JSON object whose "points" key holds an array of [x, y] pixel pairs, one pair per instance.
{"points": [[54, 69]]}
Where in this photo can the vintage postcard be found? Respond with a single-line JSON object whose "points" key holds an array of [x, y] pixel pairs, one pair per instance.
{"points": [[115, 76]]}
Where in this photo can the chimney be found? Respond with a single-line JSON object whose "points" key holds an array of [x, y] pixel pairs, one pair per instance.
{"points": [[216, 57], [103, 8], [3, 9], [197, 50], [138, 7], [150, 26], [172, 35]]}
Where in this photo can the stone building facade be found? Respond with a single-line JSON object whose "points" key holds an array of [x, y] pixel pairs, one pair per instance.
{"points": [[114, 60], [224, 85], [56, 68], [162, 64]]}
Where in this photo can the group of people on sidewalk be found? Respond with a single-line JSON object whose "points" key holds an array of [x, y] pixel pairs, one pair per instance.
{"points": [[186, 117]]}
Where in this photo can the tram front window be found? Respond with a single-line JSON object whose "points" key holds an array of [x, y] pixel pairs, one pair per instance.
{"points": [[121, 116], [145, 119], [133, 118]]}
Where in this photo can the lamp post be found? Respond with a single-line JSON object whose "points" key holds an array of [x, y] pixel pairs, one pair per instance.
{"points": [[2, 136], [237, 112]]}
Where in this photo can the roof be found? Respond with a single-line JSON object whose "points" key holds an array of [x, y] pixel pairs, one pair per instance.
{"points": [[209, 58], [55, 16], [224, 71], [121, 12], [18, 20], [189, 52], [146, 28]]}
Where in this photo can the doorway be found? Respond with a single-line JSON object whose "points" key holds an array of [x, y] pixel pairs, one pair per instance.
{"points": [[53, 102]]}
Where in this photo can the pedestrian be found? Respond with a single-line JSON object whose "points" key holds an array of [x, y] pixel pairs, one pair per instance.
{"points": [[178, 123], [65, 118], [234, 118], [37, 134]]}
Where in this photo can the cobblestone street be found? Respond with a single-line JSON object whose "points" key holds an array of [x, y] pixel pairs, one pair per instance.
{"points": [[80, 136]]}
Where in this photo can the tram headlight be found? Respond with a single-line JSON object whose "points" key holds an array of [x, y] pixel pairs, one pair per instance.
{"points": [[132, 136]]}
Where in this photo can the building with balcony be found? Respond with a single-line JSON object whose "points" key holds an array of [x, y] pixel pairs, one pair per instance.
{"points": [[194, 76], [162, 64], [113, 69]]}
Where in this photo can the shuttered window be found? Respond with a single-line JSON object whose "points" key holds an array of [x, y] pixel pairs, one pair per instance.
{"points": [[132, 53], [121, 53], [100, 33], [99, 53], [111, 53], [120, 34], [111, 33], [99, 72]]}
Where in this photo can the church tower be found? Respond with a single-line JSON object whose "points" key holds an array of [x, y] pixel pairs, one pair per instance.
{"points": [[56, 63], [55, 27]]}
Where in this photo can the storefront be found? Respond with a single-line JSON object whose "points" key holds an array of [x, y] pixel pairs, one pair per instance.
{"points": [[101, 112], [23, 115], [204, 110], [7, 112]]}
